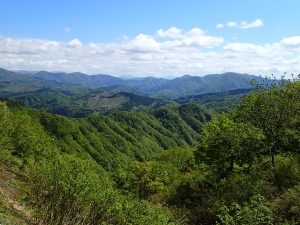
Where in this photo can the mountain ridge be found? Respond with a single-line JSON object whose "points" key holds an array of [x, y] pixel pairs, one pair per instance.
{"points": [[153, 87]]}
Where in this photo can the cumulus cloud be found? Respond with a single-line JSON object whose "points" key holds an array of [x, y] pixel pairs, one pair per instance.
{"points": [[292, 42], [255, 23], [179, 52], [27, 46], [195, 32], [266, 50], [243, 24], [142, 43], [67, 29], [195, 38], [173, 32], [232, 24], [197, 41], [75, 43], [220, 25]]}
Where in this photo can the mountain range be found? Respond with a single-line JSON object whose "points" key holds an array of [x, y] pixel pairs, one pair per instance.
{"points": [[77, 94], [151, 86]]}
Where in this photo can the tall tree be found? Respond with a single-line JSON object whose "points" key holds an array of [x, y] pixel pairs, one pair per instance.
{"points": [[274, 108], [225, 142]]}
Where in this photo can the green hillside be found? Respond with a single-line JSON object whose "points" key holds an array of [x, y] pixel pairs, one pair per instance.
{"points": [[82, 104], [41, 184], [170, 165], [121, 137], [217, 101]]}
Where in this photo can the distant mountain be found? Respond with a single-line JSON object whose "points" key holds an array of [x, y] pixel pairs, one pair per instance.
{"points": [[124, 88], [13, 84], [148, 86], [154, 87], [78, 94], [58, 93], [79, 78]]}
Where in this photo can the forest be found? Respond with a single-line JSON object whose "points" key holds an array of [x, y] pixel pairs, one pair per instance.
{"points": [[188, 163]]}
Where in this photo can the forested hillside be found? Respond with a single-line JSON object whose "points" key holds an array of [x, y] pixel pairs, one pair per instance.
{"points": [[217, 101], [85, 103], [114, 141], [40, 184], [171, 165]]}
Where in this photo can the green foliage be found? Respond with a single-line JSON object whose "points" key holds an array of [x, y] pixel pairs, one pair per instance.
{"points": [[287, 205], [287, 170], [226, 143], [76, 194], [114, 141], [273, 108], [70, 195], [61, 188], [255, 212], [6, 128], [228, 179], [145, 179], [220, 102], [181, 158]]}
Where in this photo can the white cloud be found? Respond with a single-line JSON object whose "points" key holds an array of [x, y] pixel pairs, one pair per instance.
{"points": [[195, 32], [191, 52], [173, 32], [243, 24], [75, 43], [142, 57], [126, 38], [292, 42], [266, 51], [26, 46], [67, 29], [232, 24], [255, 23], [142, 43], [220, 25]]}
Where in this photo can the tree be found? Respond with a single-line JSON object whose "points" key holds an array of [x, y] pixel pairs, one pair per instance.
{"points": [[145, 178], [254, 212], [6, 128], [225, 143], [182, 158], [273, 108]]}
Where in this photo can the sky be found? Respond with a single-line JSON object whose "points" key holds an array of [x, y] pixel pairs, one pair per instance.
{"points": [[161, 38]]}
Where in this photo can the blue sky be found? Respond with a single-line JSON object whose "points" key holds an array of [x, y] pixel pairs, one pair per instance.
{"points": [[157, 38]]}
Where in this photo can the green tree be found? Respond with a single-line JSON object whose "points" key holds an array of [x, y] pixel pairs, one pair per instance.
{"points": [[274, 108], [226, 143], [181, 158], [145, 178], [255, 212], [6, 128]]}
